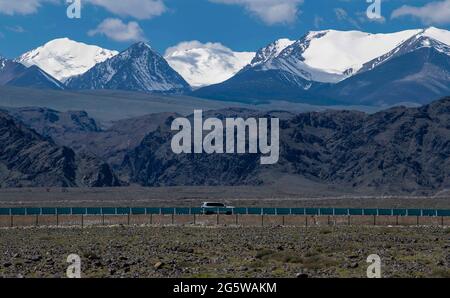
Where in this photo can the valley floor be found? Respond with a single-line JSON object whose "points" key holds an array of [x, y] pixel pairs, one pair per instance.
{"points": [[242, 196], [225, 252]]}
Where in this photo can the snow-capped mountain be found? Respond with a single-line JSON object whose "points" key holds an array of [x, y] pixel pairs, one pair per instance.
{"points": [[18, 75], [271, 51], [138, 68], [206, 64], [330, 56], [417, 75], [2, 62], [64, 58], [429, 38], [326, 58]]}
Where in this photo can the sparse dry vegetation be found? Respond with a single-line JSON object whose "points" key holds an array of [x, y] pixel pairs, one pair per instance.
{"points": [[225, 251]]}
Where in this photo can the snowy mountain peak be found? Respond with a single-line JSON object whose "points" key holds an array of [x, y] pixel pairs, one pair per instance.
{"points": [[204, 64], [2, 62], [271, 51], [418, 41], [64, 58], [142, 46], [440, 35], [138, 68], [330, 56]]}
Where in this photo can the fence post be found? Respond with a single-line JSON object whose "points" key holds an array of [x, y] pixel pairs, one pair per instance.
{"points": [[82, 220], [237, 219]]}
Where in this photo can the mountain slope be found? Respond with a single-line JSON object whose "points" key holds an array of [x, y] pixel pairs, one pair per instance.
{"points": [[139, 68], [271, 51], [16, 74], [426, 39], [328, 67], [416, 77], [76, 130], [250, 86], [54, 124], [400, 150], [30, 160], [64, 58]]}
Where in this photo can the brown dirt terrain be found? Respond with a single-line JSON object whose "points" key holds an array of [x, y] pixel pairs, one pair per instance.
{"points": [[239, 196], [225, 251]]}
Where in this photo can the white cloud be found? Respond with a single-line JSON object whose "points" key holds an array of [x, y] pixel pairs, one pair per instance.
{"points": [[23, 7], [139, 9], [203, 64], [117, 30], [343, 16], [269, 11], [437, 12], [16, 29]]}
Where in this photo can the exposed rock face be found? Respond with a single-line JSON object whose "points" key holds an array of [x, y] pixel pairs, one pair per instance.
{"points": [[400, 150], [28, 159], [76, 130], [138, 68], [54, 124]]}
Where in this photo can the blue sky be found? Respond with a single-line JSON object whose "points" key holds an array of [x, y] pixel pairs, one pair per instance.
{"points": [[242, 25]]}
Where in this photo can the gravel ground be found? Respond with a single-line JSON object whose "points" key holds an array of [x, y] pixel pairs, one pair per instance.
{"points": [[239, 196], [225, 251]]}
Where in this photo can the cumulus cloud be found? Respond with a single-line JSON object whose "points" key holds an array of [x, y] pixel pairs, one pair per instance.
{"points": [[16, 29], [117, 30], [437, 12], [269, 11], [22, 7], [139, 9], [343, 16]]}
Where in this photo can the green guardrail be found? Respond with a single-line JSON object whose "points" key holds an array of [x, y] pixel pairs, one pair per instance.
{"points": [[248, 211]]}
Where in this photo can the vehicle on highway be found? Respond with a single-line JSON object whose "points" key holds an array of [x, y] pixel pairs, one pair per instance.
{"points": [[216, 208]]}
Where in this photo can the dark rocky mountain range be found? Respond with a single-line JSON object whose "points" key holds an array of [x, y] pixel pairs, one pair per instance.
{"points": [[78, 131], [399, 150], [28, 159]]}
